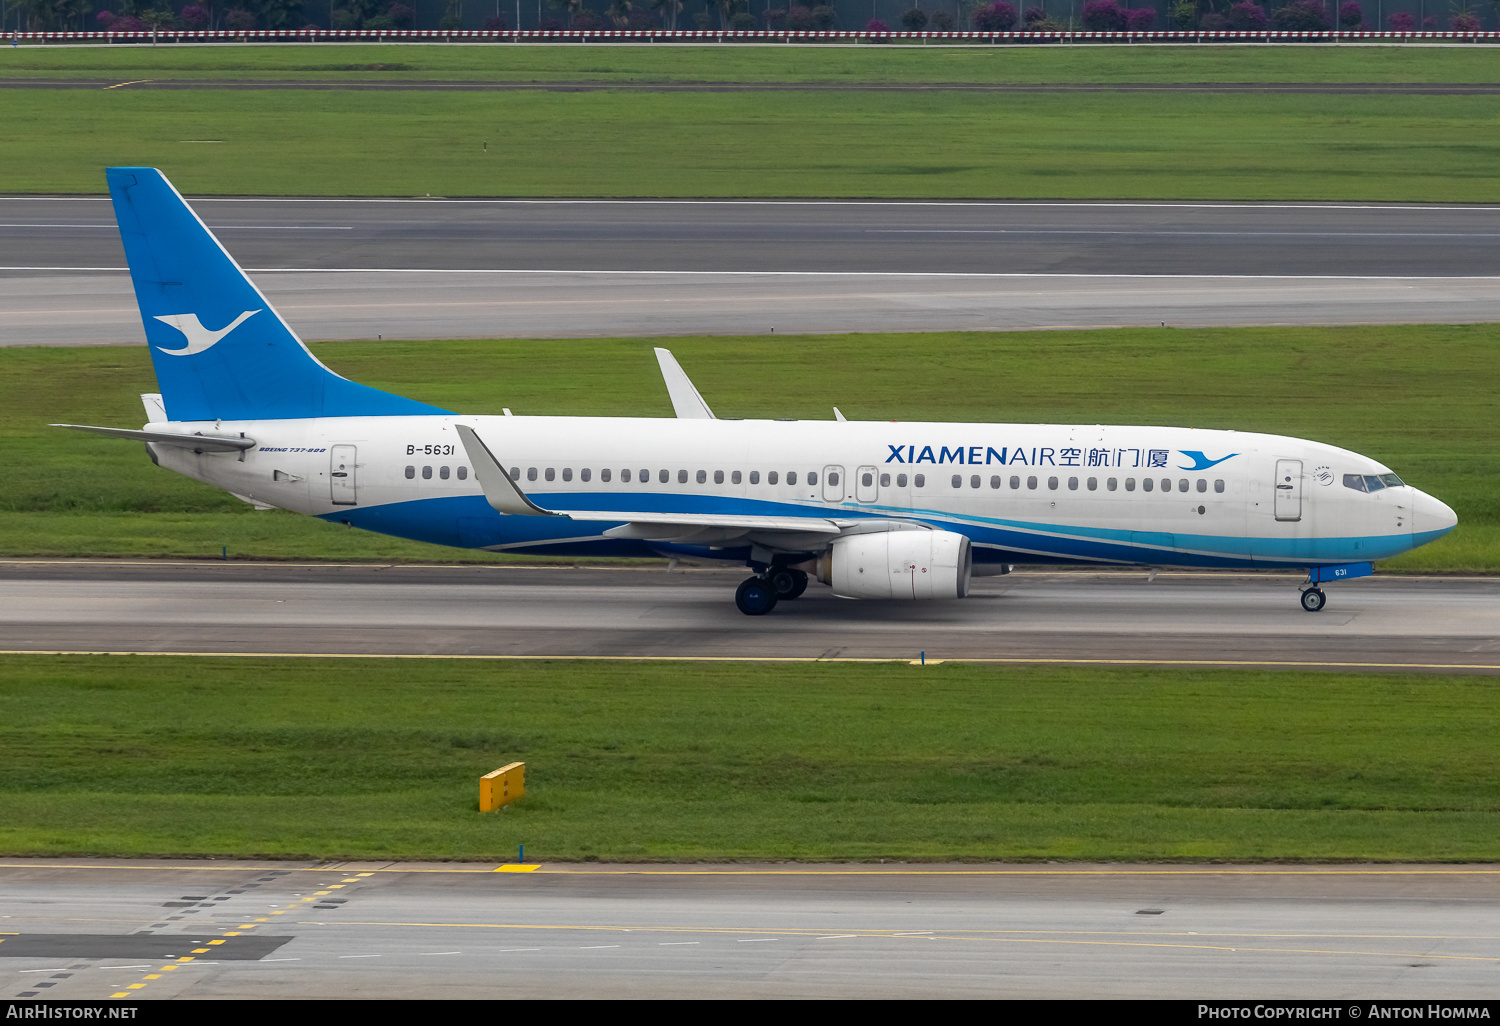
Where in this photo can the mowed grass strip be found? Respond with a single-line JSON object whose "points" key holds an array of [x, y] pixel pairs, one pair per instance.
{"points": [[628, 64], [1420, 398], [1179, 146], [640, 761]]}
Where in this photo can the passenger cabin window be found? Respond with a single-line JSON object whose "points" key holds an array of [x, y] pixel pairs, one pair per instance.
{"points": [[703, 476], [974, 481], [411, 472], [995, 481], [1031, 483], [1072, 484], [584, 474], [734, 478], [515, 473], [1052, 483], [665, 477], [1146, 484], [567, 473], [812, 477], [625, 476], [1112, 484], [958, 481], [531, 473], [885, 480], [1093, 484], [426, 473], [900, 480], [1130, 484], [719, 477], [755, 477], [1203, 484], [463, 473], [1015, 482], [550, 474], [443, 473], [791, 477], [682, 477], [1219, 485], [771, 477], [920, 481], [604, 475], [1182, 485]]}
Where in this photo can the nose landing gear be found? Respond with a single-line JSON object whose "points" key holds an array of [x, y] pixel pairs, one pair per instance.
{"points": [[1313, 599]]}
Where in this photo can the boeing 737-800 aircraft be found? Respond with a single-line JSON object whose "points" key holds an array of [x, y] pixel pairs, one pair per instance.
{"points": [[877, 510]]}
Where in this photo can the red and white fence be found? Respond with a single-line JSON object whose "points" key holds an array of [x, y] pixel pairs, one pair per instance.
{"points": [[725, 36]]}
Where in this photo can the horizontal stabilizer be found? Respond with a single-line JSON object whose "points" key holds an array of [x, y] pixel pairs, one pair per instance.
{"points": [[198, 443]]}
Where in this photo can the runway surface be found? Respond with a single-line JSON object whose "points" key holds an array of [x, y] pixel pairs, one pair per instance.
{"points": [[450, 268], [1118, 617], [150, 931]]}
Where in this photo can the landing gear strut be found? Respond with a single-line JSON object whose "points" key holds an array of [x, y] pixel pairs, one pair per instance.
{"points": [[756, 596], [1313, 600]]}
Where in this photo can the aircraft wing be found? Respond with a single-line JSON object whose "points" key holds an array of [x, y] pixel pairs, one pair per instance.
{"points": [[198, 443], [506, 497]]}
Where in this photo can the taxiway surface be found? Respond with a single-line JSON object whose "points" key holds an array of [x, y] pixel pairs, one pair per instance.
{"points": [[561, 268], [149, 931], [1119, 617]]}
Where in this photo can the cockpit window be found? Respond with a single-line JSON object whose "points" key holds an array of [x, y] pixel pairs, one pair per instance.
{"points": [[1372, 482]]}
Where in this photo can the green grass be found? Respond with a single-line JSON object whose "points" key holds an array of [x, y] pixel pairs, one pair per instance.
{"points": [[635, 761], [900, 145], [1419, 398], [823, 64]]}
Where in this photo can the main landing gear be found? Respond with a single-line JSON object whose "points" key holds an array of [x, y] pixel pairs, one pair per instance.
{"points": [[757, 596], [1313, 600]]}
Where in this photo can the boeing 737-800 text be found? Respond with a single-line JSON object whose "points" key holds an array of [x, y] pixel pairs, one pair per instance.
{"points": [[877, 510]]}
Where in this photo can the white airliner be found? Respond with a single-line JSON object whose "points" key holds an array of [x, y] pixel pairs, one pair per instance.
{"points": [[877, 510]]}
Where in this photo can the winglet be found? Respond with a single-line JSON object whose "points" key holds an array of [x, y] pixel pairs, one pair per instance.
{"points": [[686, 401], [499, 489]]}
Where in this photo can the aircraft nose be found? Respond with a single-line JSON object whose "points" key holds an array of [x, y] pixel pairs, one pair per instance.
{"points": [[1432, 517]]}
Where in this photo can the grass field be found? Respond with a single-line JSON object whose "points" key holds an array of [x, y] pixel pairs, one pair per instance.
{"points": [[1419, 398], [381, 759], [797, 143], [626, 64]]}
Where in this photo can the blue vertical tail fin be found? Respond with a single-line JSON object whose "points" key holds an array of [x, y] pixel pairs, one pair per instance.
{"points": [[220, 351]]}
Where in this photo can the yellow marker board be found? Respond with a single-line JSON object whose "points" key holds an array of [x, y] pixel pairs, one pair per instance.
{"points": [[502, 787]]}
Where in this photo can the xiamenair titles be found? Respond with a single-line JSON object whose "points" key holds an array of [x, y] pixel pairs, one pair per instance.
{"points": [[875, 510], [1062, 456]]}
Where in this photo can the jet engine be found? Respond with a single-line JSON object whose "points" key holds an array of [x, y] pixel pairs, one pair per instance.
{"points": [[898, 565]]}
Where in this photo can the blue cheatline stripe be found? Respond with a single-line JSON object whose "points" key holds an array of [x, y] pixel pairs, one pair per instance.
{"points": [[467, 521]]}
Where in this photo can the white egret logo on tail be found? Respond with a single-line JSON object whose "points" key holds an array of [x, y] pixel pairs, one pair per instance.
{"points": [[198, 337]]}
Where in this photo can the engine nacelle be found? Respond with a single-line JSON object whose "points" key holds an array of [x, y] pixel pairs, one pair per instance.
{"points": [[898, 565]]}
